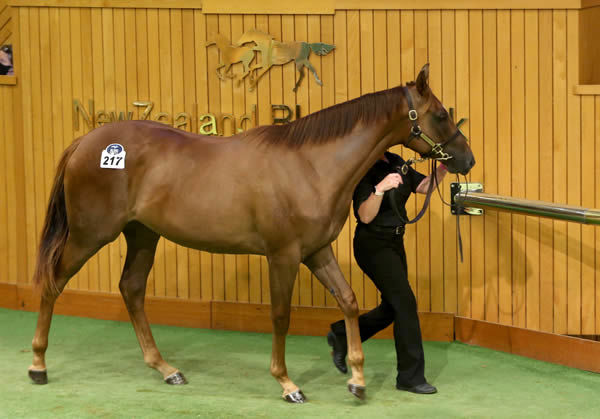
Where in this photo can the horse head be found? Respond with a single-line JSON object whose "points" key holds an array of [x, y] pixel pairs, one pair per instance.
{"points": [[321, 48], [432, 132]]}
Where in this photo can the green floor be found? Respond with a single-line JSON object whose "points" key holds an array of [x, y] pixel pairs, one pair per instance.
{"points": [[96, 370]]}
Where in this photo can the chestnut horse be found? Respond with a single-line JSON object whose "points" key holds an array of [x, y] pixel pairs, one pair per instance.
{"points": [[281, 191]]}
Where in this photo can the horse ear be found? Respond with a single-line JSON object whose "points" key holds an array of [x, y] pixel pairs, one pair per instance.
{"points": [[423, 80]]}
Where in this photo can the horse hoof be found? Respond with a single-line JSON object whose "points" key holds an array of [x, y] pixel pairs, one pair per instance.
{"points": [[38, 376], [295, 397], [175, 379], [359, 391]]}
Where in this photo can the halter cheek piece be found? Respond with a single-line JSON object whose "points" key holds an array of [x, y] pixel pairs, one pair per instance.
{"points": [[437, 149]]}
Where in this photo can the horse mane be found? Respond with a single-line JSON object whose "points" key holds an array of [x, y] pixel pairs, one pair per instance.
{"points": [[333, 122]]}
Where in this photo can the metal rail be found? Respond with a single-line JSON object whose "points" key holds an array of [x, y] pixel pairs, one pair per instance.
{"points": [[528, 207]]}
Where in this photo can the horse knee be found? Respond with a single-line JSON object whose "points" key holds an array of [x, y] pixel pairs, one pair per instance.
{"points": [[356, 358], [348, 304], [281, 320], [130, 288]]}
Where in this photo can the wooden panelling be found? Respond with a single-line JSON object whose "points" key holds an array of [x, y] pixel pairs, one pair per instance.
{"points": [[511, 72], [549, 347], [315, 321], [589, 33]]}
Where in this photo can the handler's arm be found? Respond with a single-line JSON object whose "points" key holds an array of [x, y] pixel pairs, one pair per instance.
{"points": [[424, 185], [370, 207]]}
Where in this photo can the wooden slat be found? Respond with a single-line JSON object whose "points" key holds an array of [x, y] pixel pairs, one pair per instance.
{"points": [[518, 141], [546, 172], [597, 196], [449, 87], [559, 169], [490, 170], [4, 202], [588, 198], [504, 166], [532, 169], [463, 111], [477, 141], [574, 180], [28, 158]]}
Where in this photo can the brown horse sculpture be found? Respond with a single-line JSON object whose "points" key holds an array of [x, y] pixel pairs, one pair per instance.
{"points": [[281, 191], [231, 55]]}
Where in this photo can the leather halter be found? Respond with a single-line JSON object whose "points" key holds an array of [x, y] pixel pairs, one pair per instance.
{"points": [[437, 149], [436, 153]]}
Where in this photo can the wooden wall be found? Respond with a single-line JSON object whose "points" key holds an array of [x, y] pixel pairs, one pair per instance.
{"points": [[590, 53], [511, 72], [5, 23]]}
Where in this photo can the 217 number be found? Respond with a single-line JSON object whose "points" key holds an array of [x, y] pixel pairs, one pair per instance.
{"points": [[112, 161]]}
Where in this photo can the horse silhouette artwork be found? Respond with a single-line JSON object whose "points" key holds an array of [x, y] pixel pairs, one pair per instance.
{"points": [[231, 55], [272, 53], [283, 191]]}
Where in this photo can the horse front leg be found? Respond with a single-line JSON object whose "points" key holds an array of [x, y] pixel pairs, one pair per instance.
{"points": [[282, 274], [325, 267]]}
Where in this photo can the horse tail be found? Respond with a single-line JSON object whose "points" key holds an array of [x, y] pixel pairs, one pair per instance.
{"points": [[55, 231]]}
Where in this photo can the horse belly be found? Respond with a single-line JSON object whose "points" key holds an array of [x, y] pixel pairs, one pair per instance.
{"points": [[190, 217]]}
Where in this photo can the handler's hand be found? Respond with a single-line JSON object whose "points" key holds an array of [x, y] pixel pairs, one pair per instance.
{"points": [[391, 181]]}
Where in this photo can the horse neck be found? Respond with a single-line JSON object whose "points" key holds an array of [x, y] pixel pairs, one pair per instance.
{"points": [[341, 164]]}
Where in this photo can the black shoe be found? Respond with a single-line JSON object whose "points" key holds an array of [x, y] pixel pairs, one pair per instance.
{"points": [[339, 351], [424, 388]]}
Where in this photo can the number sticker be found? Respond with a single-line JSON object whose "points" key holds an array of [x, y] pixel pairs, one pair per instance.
{"points": [[113, 157]]}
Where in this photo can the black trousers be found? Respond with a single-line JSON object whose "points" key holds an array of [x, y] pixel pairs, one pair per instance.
{"points": [[383, 258]]}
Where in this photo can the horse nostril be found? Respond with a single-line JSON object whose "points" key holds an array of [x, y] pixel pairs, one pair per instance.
{"points": [[472, 162]]}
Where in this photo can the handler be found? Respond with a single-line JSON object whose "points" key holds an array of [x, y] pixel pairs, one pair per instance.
{"points": [[379, 251]]}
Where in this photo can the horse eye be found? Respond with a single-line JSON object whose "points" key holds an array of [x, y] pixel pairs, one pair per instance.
{"points": [[442, 115]]}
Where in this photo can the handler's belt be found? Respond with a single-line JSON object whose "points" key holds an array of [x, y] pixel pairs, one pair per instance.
{"points": [[391, 230]]}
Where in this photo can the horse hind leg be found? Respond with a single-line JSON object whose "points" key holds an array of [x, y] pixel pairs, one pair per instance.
{"points": [[75, 254], [141, 247]]}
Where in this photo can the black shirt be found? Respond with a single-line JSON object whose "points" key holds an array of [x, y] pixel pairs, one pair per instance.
{"points": [[386, 217]]}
